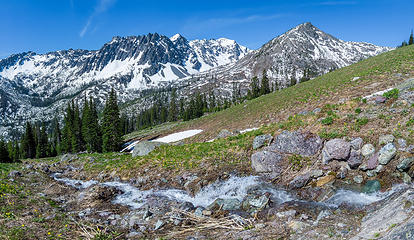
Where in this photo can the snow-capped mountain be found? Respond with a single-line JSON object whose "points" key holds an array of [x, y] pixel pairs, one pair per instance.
{"points": [[36, 86], [304, 51]]}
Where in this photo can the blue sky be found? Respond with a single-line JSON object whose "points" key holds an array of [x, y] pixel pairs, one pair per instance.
{"points": [[49, 25]]}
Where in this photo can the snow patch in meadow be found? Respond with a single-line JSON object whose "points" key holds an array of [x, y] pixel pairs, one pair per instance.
{"points": [[175, 137], [380, 93], [248, 130]]}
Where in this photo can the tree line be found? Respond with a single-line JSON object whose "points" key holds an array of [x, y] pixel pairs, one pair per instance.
{"points": [[81, 131]]}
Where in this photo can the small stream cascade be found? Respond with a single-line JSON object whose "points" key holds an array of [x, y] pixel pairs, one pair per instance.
{"points": [[232, 188]]}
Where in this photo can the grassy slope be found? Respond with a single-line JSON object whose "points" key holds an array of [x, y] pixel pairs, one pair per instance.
{"points": [[316, 92]]}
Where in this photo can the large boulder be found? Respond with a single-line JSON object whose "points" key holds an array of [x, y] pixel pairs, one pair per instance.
{"points": [[355, 159], [356, 143], [387, 153], [405, 164], [145, 147], [336, 149], [267, 162], [262, 140], [306, 144], [371, 164], [367, 150]]}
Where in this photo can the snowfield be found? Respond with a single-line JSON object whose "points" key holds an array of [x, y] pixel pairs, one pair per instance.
{"points": [[175, 137]]}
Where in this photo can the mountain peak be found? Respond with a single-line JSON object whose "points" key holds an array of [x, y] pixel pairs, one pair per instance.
{"points": [[176, 37]]}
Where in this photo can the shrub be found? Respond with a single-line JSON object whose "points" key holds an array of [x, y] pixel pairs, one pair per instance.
{"points": [[327, 120], [358, 110], [394, 93]]}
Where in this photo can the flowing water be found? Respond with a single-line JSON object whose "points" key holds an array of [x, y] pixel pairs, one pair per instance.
{"points": [[232, 188]]}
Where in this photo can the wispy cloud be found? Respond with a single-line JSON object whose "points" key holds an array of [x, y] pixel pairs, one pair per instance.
{"points": [[101, 7], [215, 23]]}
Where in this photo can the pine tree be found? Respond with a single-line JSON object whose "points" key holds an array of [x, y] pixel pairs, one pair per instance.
{"points": [[16, 151], [77, 140], [172, 112], [4, 153], [264, 88], [112, 136], [28, 142], [411, 40], [42, 150], [255, 90], [68, 130], [293, 81], [56, 139]]}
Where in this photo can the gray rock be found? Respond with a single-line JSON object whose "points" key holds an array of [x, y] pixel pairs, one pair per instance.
{"points": [[199, 211], [343, 171], [323, 214], [135, 235], [355, 159], [406, 178], [372, 162], [335, 149], [145, 147], [405, 164], [316, 173], [262, 140], [158, 225], [300, 181], [379, 169], [267, 162], [306, 144], [358, 179], [410, 149], [402, 144], [316, 110], [224, 134], [367, 150], [186, 206], [14, 174], [385, 139], [229, 204], [387, 153], [290, 213], [371, 186], [193, 185], [357, 143], [252, 203], [371, 173], [380, 99]]}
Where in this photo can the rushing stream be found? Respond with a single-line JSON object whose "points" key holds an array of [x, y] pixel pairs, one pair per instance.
{"points": [[232, 188]]}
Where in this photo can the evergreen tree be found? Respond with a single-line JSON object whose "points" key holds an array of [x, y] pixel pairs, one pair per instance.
{"points": [[112, 136], [255, 89], [182, 110], [264, 88], [411, 40], [95, 132], [293, 81], [28, 142], [56, 138], [4, 153], [16, 151], [42, 143], [172, 112], [77, 141], [68, 130]]}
